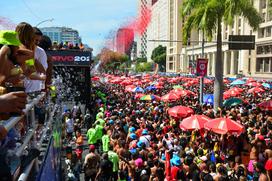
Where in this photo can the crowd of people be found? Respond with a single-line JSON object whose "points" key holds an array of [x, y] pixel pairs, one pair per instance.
{"points": [[68, 46], [132, 139], [25, 72]]}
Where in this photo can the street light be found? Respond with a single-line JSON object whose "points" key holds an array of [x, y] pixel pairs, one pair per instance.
{"points": [[50, 20]]}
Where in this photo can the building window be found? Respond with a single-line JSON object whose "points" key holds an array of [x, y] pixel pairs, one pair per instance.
{"points": [[239, 32], [263, 4], [239, 22], [259, 65], [268, 31], [270, 65], [260, 50], [267, 49], [263, 17], [171, 66], [261, 33], [249, 64], [266, 65], [269, 17]]}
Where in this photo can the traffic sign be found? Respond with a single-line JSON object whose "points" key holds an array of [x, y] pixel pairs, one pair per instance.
{"points": [[201, 66]]}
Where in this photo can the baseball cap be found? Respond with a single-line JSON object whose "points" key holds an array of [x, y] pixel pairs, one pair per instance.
{"points": [[111, 121], [143, 172], [9, 37], [139, 162], [133, 151], [133, 136], [144, 132], [176, 161], [92, 147], [139, 144], [132, 129], [261, 137]]}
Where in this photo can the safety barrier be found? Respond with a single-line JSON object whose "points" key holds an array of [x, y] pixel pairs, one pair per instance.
{"points": [[26, 130], [25, 174]]}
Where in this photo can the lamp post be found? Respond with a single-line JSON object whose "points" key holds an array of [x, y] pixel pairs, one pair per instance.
{"points": [[50, 20]]}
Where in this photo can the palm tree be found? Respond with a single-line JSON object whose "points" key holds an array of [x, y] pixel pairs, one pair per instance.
{"points": [[207, 16]]}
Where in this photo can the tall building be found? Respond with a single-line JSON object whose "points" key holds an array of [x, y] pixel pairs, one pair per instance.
{"points": [[158, 27], [133, 54], [256, 63], [124, 40], [174, 28], [62, 34], [263, 53], [143, 9]]}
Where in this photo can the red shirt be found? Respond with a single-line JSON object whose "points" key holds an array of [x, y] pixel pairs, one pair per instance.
{"points": [[174, 172]]}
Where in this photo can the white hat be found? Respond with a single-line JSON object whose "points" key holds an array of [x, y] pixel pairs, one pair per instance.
{"points": [[143, 172], [203, 158]]}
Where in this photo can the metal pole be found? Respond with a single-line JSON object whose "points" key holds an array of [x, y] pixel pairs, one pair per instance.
{"points": [[201, 78], [52, 19]]}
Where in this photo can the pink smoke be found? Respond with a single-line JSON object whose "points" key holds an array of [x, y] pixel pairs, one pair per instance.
{"points": [[6, 24], [137, 25]]}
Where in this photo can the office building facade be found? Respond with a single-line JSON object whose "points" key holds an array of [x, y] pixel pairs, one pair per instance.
{"points": [[62, 34], [158, 27], [143, 10], [174, 27], [256, 63], [124, 40]]}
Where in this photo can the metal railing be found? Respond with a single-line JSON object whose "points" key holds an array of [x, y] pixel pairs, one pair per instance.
{"points": [[11, 122], [25, 174]]}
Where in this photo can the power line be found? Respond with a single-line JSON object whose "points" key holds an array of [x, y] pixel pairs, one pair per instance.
{"points": [[30, 10], [197, 41]]}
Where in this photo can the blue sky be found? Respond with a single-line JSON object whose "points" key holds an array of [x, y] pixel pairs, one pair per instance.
{"points": [[94, 19]]}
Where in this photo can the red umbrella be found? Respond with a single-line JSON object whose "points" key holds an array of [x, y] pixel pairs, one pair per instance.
{"points": [[138, 83], [250, 80], [208, 81], [138, 96], [159, 83], [194, 122], [129, 88], [182, 93], [162, 79], [224, 126], [255, 90], [231, 93], [267, 105], [180, 111], [116, 81], [95, 78], [159, 86], [253, 84], [187, 84], [170, 97], [126, 82], [237, 89], [226, 81], [173, 80]]}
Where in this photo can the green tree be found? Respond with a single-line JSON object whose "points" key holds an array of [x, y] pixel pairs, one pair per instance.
{"points": [[112, 60], [144, 67], [208, 15], [138, 60], [159, 56]]}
